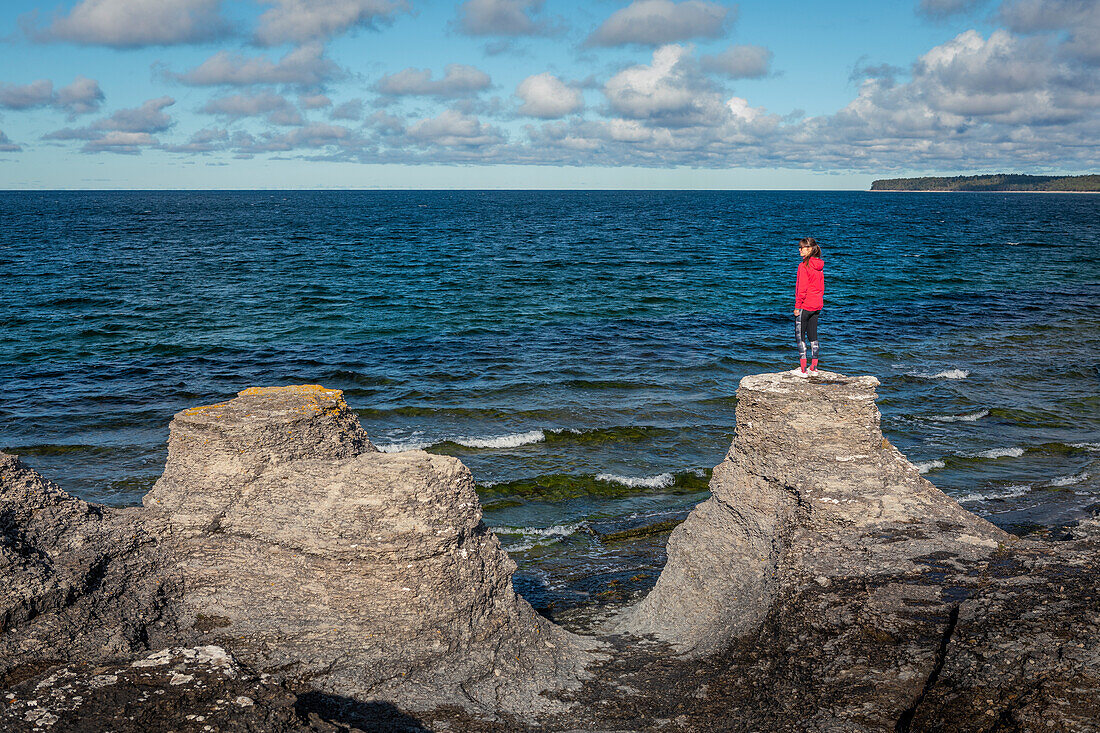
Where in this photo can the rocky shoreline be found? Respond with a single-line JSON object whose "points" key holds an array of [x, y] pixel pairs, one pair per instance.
{"points": [[283, 575]]}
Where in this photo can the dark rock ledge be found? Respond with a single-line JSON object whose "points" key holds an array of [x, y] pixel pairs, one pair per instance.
{"points": [[284, 575]]}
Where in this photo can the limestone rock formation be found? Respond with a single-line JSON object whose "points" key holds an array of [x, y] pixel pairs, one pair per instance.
{"points": [[301, 548], [77, 581], [221, 448], [809, 489], [825, 586]]}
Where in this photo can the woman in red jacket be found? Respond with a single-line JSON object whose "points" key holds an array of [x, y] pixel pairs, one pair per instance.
{"points": [[808, 294]]}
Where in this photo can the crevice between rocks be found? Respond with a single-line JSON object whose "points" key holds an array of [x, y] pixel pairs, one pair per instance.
{"points": [[906, 720]]}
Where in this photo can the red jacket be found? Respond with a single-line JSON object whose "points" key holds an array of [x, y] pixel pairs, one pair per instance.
{"points": [[810, 287]]}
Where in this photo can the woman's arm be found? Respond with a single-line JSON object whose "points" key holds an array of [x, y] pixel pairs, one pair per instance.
{"points": [[801, 287]]}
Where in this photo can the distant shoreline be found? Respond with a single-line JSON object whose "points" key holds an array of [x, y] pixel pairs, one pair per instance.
{"points": [[945, 190], [992, 183]]}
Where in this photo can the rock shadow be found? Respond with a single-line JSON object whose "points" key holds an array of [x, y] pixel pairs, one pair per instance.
{"points": [[349, 714]]}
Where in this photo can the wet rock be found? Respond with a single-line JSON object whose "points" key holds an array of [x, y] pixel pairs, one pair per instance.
{"points": [[301, 548], [196, 690]]}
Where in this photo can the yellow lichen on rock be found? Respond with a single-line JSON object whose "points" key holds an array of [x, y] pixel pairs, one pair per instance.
{"points": [[299, 388], [316, 400], [203, 408]]}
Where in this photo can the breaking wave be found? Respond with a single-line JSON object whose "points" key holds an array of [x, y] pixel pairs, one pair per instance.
{"points": [[513, 440], [1070, 480], [614, 434], [926, 466], [968, 417], [660, 481], [1006, 492], [945, 374], [532, 537], [993, 453], [563, 486]]}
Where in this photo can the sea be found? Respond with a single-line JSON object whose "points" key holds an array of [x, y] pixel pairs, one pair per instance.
{"points": [[579, 351]]}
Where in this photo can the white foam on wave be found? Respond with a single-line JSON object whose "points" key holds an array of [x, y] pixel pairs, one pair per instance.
{"points": [[969, 417], [513, 440], [1086, 446], [1007, 492], [414, 441], [1070, 480], [926, 466], [557, 530], [536, 536], [998, 453], [945, 374], [660, 481]]}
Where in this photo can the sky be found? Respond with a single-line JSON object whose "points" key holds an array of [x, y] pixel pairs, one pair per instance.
{"points": [[393, 94]]}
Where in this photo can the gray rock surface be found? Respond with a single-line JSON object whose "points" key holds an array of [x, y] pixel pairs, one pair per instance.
{"points": [[825, 586], [303, 549], [221, 448], [192, 689], [76, 581], [810, 490]]}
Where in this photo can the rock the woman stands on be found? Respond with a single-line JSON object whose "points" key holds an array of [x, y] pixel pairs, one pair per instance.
{"points": [[809, 294]]}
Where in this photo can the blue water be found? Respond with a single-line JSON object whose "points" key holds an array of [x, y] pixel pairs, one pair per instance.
{"points": [[579, 351]]}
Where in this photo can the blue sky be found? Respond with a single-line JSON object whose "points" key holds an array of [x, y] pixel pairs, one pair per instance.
{"points": [[552, 94]]}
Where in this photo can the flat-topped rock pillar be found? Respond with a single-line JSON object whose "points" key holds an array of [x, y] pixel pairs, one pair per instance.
{"points": [[809, 489], [304, 549]]}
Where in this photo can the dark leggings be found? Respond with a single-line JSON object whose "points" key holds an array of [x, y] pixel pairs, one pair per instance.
{"points": [[805, 328]]}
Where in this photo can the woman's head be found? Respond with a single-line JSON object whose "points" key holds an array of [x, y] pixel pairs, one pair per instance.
{"points": [[808, 247]]}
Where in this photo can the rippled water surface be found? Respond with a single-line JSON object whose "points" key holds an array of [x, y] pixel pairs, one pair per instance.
{"points": [[579, 351]]}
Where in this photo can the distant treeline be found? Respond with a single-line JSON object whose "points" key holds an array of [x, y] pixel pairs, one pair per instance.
{"points": [[994, 182]]}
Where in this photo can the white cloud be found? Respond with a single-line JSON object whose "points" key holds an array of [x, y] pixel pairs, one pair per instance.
{"points": [[148, 118], [1000, 79], [278, 110], [1079, 20], [300, 21], [502, 18], [305, 67], [740, 62], [124, 131], [546, 96], [385, 123], [349, 110], [7, 146], [314, 101], [454, 129], [657, 22], [137, 23], [458, 80], [971, 102], [130, 143], [27, 96], [206, 140], [81, 97], [628, 131], [1026, 99], [670, 91], [335, 139]]}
